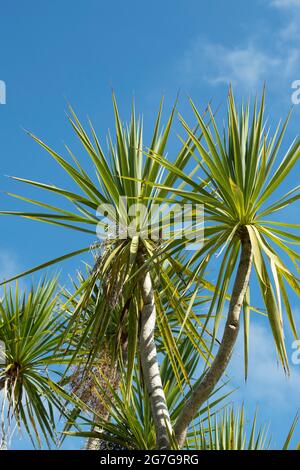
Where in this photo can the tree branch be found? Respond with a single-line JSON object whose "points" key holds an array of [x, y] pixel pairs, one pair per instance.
{"points": [[207, 384]]}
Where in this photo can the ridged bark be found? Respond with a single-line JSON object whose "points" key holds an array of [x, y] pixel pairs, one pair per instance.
{"points": [[203, 390], [150, 366]]}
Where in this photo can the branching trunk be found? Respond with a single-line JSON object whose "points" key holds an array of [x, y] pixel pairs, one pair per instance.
{"points": [[150, 366], [222, 358]]}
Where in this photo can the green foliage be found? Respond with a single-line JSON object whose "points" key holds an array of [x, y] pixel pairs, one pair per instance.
{"points": [[131, 424], [238, 180], [231, 430], [114, 276], [233, 173], [31, 332]]}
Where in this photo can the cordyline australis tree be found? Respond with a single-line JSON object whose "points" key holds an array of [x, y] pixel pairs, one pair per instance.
{"points": [[103, 382], [131, 425], [106, 368], [216, 427], [237, 179], [125, 267], [37, 385], [31, 328], [237, 165]]}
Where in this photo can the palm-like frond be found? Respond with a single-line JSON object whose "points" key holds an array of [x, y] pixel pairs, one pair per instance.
{"points": [[217, 426], [131, 424], [31, 333], [120, 180], [238, 165], [230, 429]]}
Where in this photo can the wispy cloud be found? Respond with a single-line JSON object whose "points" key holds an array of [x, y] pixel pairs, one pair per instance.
{"points": [[285, 3], [289, 32], [276, 395], [256, 57], [266, 378], [246, 66], [8, 265]]}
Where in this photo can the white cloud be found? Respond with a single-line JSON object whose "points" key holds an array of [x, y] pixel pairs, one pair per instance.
{"points": [[290, 32], [267, 383], [245, 66], [248, 64], [285, 3], [268, 389], [273, 57], [8, 265]]}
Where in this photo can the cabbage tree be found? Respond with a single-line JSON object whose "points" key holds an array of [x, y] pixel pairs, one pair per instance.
{"points": [[241, 166], [129, 270]]}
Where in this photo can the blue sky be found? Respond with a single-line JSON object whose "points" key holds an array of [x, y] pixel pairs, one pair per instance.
{"points": [[55, 51]]}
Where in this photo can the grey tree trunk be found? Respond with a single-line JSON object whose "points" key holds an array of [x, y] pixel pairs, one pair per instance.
{"points": [[94, 443], [207, 384], [150, 367]]}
